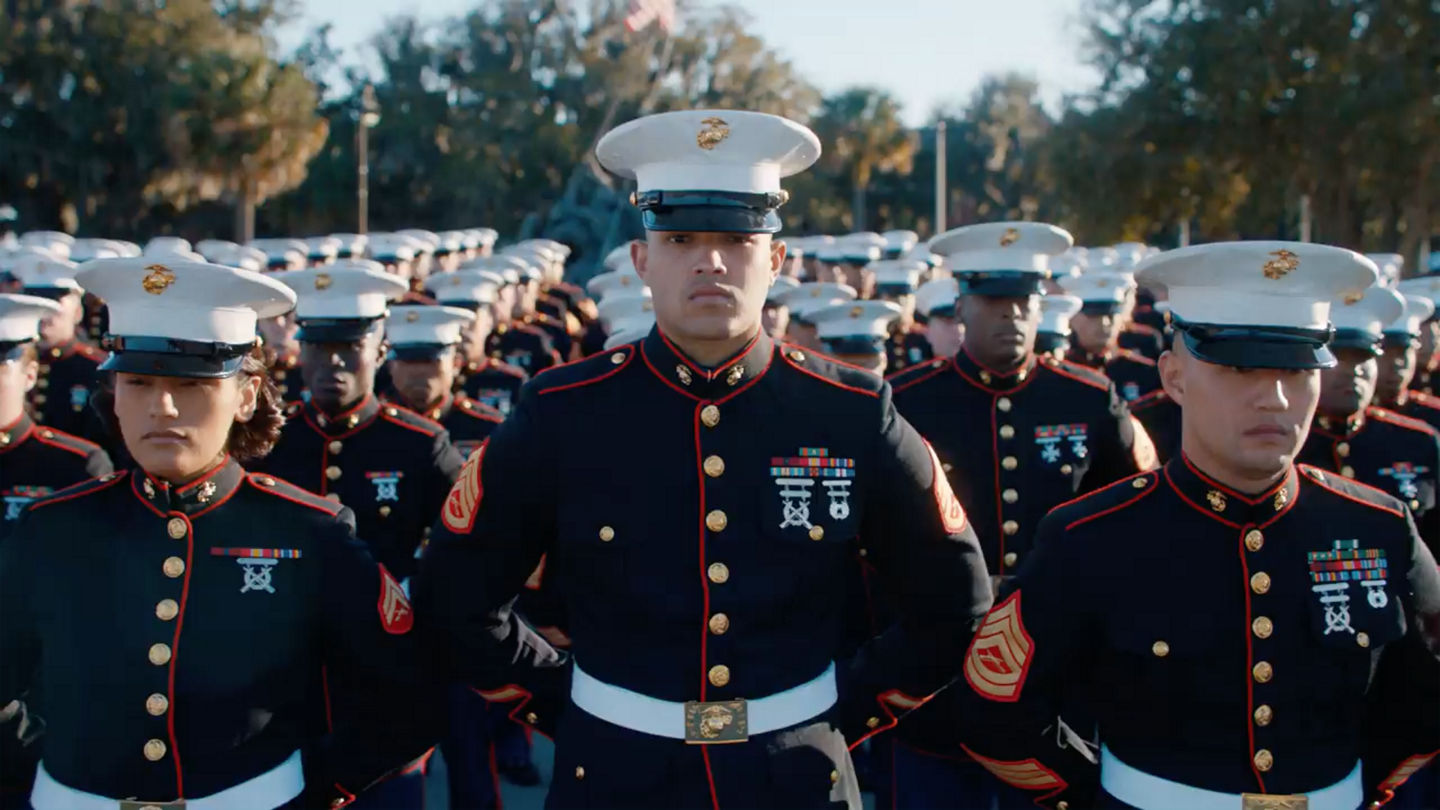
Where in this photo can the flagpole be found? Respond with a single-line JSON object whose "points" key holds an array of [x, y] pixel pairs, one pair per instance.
{"points": [[941, 190]]}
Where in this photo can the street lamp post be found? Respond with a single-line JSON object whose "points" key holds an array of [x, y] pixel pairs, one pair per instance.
{"points": [[369, 117]]}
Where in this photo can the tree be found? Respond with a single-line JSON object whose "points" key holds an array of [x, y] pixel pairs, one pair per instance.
{"points": [[863, 135]]}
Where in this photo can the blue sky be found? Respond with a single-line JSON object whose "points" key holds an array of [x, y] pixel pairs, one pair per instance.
{"points": [[928, 52]]}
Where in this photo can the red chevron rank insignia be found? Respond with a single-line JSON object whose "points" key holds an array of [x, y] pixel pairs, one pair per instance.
{"points": [[395, 613], [1001, 653]]}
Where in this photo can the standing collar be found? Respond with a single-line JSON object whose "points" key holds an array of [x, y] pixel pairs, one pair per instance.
{"points": [[1223, 503], [15, 434], [344, 422], [688, 377], [990, 380], [59, 351], [1339, 428], [1090, 359], [200, 495]]}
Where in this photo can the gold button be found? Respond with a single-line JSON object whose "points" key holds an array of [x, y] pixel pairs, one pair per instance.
{"points": [[332, 496], [1415, 504], [177, 528], [174, 567], [1262, 626], [1010, 527], [336, 447], [532, 718], [817, 532], [579, 772], [332, 472], [43, 383], [714, 466], [1140, 483], [1010, 496], [157, 704], [166, 610], [719, 624], [388, 412], [797, 356], [873, 722], [1160, 648], [985, 377], [159, 654], [719, 675], [1009, 462], [1263, 715], [1342, 449], [617, 358], [1362, 638], [1011, 558], [1347, 471], [1264, 760], [1263, 672], [1007, 432], [716, 521], [56, 352], [719, 573], [154, 750], [39, 399], [834, 777], [710, 415], [606, 534], [1254, 540], [1003, 403], [384, 511], [1062, 806], [1260, 582], [947, 466]]}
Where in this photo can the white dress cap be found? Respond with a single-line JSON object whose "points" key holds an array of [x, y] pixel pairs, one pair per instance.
{"points": [[708, 150], [1378, 308], [619, 307], [55, 242], [614, 282], [629, 330], [1101, 286], [152, 297], [1257, 284], [1422, 286], [1390, 266], [1056, 312], [421, 240], [898, 243], [937, 297], [211, 249], [168, 246], [465, 286], [1002, 246], [813, 296], [425, 325], [619, 257], [779, 288], [352, 289], [86, 249], [856, 319], [898, 273], [38, 269], [20, 317], [1418, 310], [390, 247], [1129, 254]]}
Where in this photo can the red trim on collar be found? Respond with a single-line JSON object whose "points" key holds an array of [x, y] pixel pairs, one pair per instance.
{"points": [[1028, 368], [1210, 513], [140, 496], [214, 471], [1266, 495], [708, 376], [359, 426]]}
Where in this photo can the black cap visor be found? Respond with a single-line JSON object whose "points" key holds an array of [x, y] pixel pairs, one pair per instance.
{"points": [[166, 357], [334, 330], [420, 351], [1001, 283], [855, 345], [1357, 339], [714, 211], [1257, 346]]}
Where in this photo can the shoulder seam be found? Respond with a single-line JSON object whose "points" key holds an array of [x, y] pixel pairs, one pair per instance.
{"points": [[1063, 369], [627, 349], [80, 447], [425, 425], [83, 488], [1401, 420], [836, 383], [310, 499], [1151, 484], [1324, 483]]}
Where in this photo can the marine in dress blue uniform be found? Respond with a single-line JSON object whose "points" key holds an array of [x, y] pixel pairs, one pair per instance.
{"points": [[1053, 335], [774, 462], [481, 378], [1266, 649], [187, 669], [857, 333], [1400, 364], [423, 342], [1018, 434], [807, 299], [67, 374], [1097, 329], [896, 280], [1393, 453]]}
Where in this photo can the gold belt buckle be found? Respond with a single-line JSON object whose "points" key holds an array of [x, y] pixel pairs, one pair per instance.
{"points": [[725, 721], [130, 804], [1266, 801]]}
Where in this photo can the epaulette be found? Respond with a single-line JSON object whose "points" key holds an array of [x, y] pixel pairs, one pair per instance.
{"points": [[1353, 490], [827, 369], [65, 441], [89, 352], [1150, 400], [1400, 420], [479, 410], [1425, 398], [585, 371], [410, 420], [1107, 499], [79, 490], [1136, 357], [907, 377], [281, 488], [513, 371], [1091, 377]]}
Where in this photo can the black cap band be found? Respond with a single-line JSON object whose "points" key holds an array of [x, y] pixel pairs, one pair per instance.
{"points": [[13, 349], [1399, 340], [1046, 342], [1001, 283], [1257, 346], [1097, 309], [420, 351], [52, 293], [168, 357], [855, 344], [1356, 339], [334, 330], [717, 211]]}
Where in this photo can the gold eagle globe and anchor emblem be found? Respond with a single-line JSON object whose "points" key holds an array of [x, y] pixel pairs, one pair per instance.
{"points": [[1009, 237], [1282, 265], [714, 720], [714, 133], [157, 279]]}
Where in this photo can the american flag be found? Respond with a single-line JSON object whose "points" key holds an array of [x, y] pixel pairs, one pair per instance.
{"points": [[644, 12]]}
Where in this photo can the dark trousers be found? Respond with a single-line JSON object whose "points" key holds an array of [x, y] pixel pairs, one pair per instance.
{"points": [[919, 781]]}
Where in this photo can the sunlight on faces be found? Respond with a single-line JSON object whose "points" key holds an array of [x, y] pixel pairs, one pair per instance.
{"points": [[178, 427], [1429, 340], [423, 382], [944, 334], [474, 334], [775, 320], [17, 377], [1000, 331], [340, 374], [529, 296], [59, 327], [279, 333], [1349, 387], [1240, 424], [1396, 370], [861, 278], [1095, 334], [708, 286]]}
